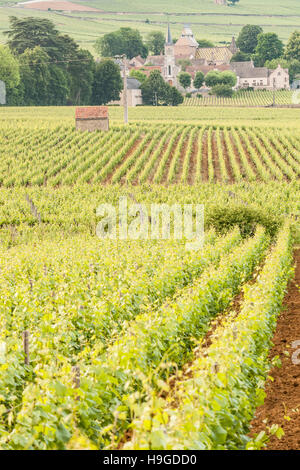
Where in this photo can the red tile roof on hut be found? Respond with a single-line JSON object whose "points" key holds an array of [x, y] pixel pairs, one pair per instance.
{"points": [[92, 112]]}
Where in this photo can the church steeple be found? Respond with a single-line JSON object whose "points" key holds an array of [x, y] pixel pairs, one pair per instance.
{"points": [[233, 47], [169, 40]]}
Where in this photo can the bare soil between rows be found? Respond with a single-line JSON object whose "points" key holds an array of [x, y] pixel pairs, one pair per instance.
{"points": [[283, 393]]}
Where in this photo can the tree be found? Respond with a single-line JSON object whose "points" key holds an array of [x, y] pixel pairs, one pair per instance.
{"points": [[293, 46], [248, 38], [268, 47], [9, 74], [138, 74], [199, 80], [173, 96], [155, 42], [222, 90], [124, 41], [205, 43], [240, 57], [185, 79], [294, 69], [71, 69], [154, 89], [81, 72], [227, 78], [107, 82], [35, 76], [9, 68], [28, 33], [212, 78]]}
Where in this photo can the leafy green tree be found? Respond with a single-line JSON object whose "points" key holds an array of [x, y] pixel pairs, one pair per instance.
{"points": [[107, 82], [212, 78], [173, 96], [154, 89], [155, 42], [124, 41], [227, 78], [59, 86], [293, 46], [185, 79], [294, 69], [81, 71], [138, 74], [248, 38], [28, 33], [222, 90], [9, 68], [240, 57], [269, 47], [199, 80], [10, 75], [205, 43], [35, 76], [71, 69]]}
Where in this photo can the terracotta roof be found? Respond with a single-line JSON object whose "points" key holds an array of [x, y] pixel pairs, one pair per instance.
{"points": [[219, 54], [91, 112]]}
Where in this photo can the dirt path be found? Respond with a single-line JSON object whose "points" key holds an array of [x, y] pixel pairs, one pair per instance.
{"points": [[283, 394]]}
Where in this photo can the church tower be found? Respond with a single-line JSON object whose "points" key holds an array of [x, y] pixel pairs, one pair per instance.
{"points": [[233, 47], [170, 69]]}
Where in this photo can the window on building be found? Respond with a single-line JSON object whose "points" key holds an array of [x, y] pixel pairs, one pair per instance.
{"points": [[170, 70]]}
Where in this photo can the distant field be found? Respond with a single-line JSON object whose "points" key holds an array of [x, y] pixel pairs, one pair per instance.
{"points": [[208, 20], [243, 98], [267, 117]]}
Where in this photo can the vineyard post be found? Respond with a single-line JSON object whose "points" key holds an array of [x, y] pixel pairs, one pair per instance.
{"points": [[125, 90], [26, 346]]}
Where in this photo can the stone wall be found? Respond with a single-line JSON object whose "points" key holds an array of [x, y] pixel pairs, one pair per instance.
{"points": [[92, 125]]}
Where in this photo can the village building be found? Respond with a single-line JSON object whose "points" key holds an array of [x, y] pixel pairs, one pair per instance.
{"points": [[260, 78], [217, 55], [137, 61], [170, 68], [134, 94], [187, 48], [92, 118]]}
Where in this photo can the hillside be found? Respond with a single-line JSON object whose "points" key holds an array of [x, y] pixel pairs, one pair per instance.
{"points": [[87, 20]]}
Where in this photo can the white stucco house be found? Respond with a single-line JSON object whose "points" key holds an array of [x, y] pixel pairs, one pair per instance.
{"points": [[260, 78]]}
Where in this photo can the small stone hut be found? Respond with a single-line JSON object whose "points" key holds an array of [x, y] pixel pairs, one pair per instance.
{"points": [[92, 118]]}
